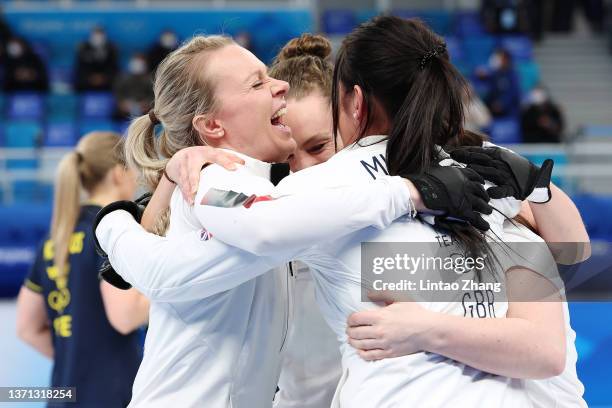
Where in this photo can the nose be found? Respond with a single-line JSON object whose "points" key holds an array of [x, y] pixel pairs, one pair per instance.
{"points": [[279, 88]]}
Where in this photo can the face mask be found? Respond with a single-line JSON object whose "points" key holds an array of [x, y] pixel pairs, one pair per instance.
{"points": [[508, 19], [14, 50], [97, 39], [137, 66], [495, 62], [538, 96], [168, 40]]}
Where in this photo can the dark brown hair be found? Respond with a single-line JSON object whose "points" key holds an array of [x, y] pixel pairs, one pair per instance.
{"points": [[403, 66], [304, 63], [422, 97]]}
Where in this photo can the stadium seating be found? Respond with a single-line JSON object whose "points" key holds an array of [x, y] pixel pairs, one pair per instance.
{"points": [[60, 75], [25, 105], [591, 208], [439, 20], [23, 227], [454, 47], [505, 130], [478, 49], [60, 118], [337, 22], [468, 24], [529, 75], [60, 133], [62, 106], [28, 191], [96, 105], [520, 47], [91, 125], [22, 133]]}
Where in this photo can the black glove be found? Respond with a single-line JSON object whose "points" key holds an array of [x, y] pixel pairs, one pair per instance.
{"points": [[136, 209], [514, 175], [455, 192]]}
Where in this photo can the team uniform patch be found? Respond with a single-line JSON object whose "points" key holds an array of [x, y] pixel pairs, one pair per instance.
{"points": [[228, 198]]}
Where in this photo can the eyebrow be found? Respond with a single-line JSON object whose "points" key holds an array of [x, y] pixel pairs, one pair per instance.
{"points": [[254, 73], [319, 137]]}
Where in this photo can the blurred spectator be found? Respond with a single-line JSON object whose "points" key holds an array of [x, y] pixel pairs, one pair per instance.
{"points": [[476, 114], [134, 89], [504, 16], [96, 63], [503, 98], [24, 70], [541, 119], [167, 42]]}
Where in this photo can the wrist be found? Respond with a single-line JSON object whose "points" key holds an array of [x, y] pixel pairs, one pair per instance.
{"points": [[415, 196], [165, 182], [166, 177], [434, 337]]}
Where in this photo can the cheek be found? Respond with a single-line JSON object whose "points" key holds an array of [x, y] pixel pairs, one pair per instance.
{"points": [[299, 162], [305, 160], [343, 125], [244, 111], [328, 151]]}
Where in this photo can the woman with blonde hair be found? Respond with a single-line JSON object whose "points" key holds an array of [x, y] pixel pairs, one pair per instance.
{"points": [[87, 327]]}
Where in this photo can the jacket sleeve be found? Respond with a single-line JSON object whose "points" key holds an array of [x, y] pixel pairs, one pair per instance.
{"points": [[181, 268], [267, 225]]}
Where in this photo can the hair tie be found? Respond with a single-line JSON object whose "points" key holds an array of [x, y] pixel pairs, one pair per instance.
{"points": [[79, 156], [439, 50], [153, 118]]}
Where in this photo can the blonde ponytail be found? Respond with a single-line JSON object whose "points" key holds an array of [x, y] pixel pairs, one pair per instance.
{"points": [[141, 152], [182, 91], [80, 170], [66, 208]]}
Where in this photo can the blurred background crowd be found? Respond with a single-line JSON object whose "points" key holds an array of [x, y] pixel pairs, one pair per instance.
{"points": [[541, 72]]}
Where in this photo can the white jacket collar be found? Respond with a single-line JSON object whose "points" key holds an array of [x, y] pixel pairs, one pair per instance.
{"points": [[257, 167], [366, 141]]}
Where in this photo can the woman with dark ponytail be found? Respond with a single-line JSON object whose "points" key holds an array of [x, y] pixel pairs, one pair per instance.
{"points": [[86, 326]]}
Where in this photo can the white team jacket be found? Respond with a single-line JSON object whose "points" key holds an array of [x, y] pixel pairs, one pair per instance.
{"points": [[311, 366], [218, 322], [422, 379], [261, 248], [312, 363]]}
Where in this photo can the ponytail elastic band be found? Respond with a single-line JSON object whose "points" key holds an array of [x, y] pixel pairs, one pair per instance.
{"points": [[79, 156], [153, 118], [439, 50]]}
